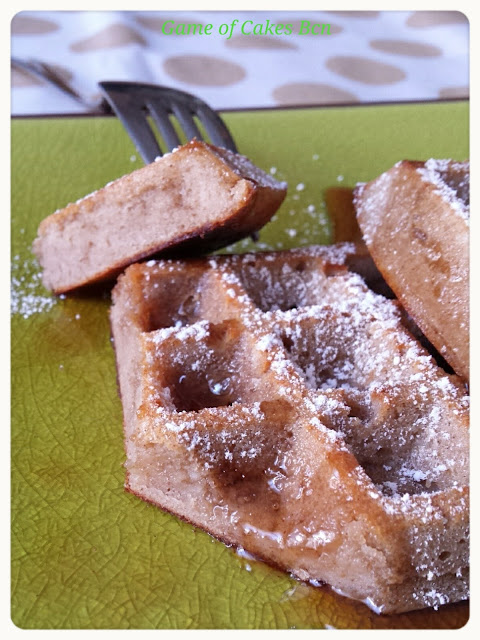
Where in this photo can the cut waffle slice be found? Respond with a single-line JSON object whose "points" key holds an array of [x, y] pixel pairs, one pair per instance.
{"points": [[415, 222], [276, 402], [189, 202]]}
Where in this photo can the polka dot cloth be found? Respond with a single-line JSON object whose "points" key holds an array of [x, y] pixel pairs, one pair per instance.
{"points": [[366, 56]]}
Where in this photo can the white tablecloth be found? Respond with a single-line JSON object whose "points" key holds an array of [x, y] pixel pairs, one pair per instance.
{"points": [[369, 56]]}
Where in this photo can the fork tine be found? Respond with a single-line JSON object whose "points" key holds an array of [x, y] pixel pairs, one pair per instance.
{"points": [[138, 128], [215, 127], [134, 119], [165, 127], [185, 118]]}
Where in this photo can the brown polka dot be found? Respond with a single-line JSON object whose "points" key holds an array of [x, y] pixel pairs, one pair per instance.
{"points": [[454, 92], [206, 71], [258, 42], [422, 19], [406, 48], [297, 24], [26, 25], [297, 93], [155, 23], [21, 78], [365, 70], [116, 35], [356, 14]]}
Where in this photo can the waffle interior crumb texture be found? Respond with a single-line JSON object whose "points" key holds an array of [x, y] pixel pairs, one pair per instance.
{"points": [[195, 199], [276, 402]]}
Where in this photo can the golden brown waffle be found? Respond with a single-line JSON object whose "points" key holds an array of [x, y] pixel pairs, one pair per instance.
{"points": [[276, 402], [415, 221]]}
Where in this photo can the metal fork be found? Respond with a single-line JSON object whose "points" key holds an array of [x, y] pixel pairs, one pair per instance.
{"points": [[135, 102]]}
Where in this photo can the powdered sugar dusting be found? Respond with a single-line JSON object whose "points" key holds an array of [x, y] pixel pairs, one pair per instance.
{"points": [[198, 331], [27, 294], [348, 347], [374, 201], [444, 175]]}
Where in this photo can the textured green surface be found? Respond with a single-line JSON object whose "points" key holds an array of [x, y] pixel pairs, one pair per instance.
{"points": [[84, 553]]}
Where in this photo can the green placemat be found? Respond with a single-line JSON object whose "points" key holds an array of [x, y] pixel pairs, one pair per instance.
{"points": [[84, 553]]}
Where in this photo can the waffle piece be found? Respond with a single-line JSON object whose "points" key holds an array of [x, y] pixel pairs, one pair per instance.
{"points": [[276, 402], [198, 198], [415, 222]]}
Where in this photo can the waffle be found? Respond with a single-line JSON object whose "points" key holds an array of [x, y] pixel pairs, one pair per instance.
{"points": [[415, 222], [276, 402], [191, 201]]}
